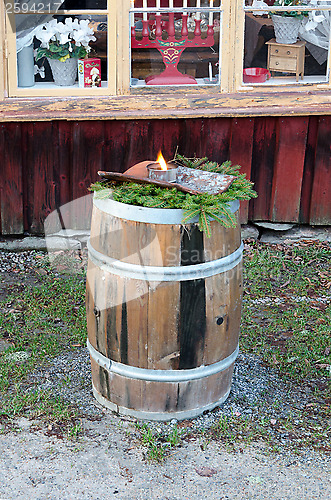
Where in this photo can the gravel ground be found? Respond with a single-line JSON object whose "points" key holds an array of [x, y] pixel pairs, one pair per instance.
{"points": [[255, 389], [108, 461]]}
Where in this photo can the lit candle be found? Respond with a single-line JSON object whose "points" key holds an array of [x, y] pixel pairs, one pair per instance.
{"points": [[132, 14], [198, 6], [210, 73], [145, 7], [161, 170], [211, 14]]}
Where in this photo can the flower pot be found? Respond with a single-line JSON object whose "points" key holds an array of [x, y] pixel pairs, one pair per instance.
{"points": [[286, 28], [64, 72]]}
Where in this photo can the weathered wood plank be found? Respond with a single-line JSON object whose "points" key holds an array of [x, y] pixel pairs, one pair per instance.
{"points": [[39, 159], [223, 242], [164, 136], [288, 170], [134, 237], [63, 165], [320, 208], [87, 146], [126, 392], [135, 314], [192, 136], [11, 187], [189, 103], [263, 158], [157, 399], [215, 138], [199, 393], [114, 290], [90, 304], [223, 308], [115, 146], [308, 171], [163, 313], [136, 141], [192, 312], [241, 148]]}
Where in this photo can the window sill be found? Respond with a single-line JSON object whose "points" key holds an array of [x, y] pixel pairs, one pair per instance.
{"points": [[168, 105]]}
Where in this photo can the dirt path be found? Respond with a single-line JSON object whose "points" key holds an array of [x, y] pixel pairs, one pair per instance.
{"points": [[107, 464]]}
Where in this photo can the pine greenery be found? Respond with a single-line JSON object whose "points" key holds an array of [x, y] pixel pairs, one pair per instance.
{"points": [[205, 206]]}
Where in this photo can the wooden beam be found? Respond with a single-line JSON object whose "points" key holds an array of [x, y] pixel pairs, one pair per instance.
{"points": [[179, 105]]}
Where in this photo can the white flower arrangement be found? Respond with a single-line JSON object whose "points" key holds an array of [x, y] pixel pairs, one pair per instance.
{"points": [[64, 40]]}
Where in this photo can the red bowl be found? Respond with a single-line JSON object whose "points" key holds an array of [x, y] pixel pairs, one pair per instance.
{"points": [[255, 75]]}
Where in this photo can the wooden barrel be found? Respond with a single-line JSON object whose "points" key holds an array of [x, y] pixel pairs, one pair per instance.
{"points": [[163, 311]]}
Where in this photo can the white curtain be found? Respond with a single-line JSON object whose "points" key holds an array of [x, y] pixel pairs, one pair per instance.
{"points": [[27, 25], [315, 30]]}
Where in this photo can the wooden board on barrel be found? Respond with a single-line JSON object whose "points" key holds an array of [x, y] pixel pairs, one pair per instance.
{"points": [[163, 310]]}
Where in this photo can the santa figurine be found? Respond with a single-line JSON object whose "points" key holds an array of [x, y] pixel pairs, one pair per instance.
{"points": [[95, 77]]}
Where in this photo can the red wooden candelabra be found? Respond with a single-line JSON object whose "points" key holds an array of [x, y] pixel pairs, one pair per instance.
{"points": [[172, 48]]}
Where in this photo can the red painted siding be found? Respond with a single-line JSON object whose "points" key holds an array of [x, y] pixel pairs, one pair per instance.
{"points": [[47, 164], [11, 195], [241, 148], [288, 168], [321, 189]]}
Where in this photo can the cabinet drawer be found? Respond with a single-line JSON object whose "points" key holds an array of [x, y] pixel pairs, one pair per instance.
{"points": [[282, 64], [280, 50]]}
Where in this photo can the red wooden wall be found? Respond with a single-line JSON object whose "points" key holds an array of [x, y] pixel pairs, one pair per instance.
{"points": [[44, 165]]}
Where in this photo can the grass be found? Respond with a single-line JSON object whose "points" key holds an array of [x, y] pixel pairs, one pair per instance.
{"points": [[286, 321], [287, 310], [41, 321], [159, 443]]}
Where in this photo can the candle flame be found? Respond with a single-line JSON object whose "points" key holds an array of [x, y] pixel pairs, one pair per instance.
{"points": [[161, 161]]}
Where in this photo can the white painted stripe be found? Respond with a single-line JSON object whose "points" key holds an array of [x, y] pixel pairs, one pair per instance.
{"points": [[146, 214], [167, 273], [161, 375]]}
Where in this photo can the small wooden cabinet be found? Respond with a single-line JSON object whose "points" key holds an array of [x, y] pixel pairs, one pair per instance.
{"points": [[286, 58]]}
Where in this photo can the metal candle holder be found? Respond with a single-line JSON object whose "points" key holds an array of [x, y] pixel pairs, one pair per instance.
{"points": [[172, 48], [156, 173]]}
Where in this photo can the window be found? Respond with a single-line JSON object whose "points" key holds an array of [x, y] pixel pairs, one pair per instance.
{"points": [[175, 43], [155, 45], [32, 27], [290, 46]]}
